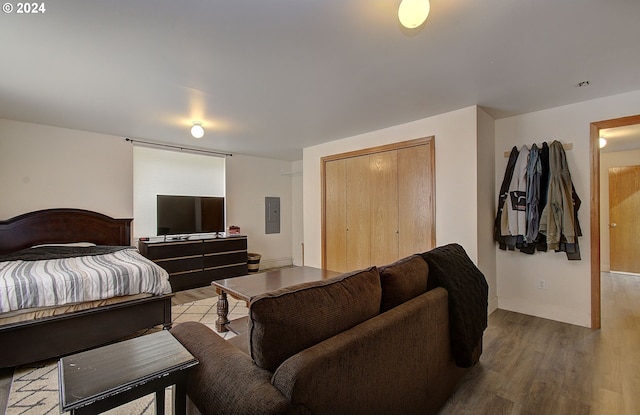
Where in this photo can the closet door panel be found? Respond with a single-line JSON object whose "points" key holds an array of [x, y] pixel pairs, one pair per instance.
{"points": [[358, 213], [416, 204], [383, 168], [336, 215]]}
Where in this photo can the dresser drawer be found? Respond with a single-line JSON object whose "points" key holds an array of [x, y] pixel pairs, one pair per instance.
{"points": [[226, 272], [227, 244], [173, 249], [175, 265], [217, 260], [188, 280]]}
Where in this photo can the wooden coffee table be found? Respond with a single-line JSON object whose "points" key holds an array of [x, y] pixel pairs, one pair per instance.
{"points": [[97, 380], [247, 287]]}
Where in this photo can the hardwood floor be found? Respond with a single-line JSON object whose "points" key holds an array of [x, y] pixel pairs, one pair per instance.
{"points": [[536, 366]]}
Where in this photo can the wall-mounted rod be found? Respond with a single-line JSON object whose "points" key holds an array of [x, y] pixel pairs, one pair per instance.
{"points": [[181, 148], [567, 146]]}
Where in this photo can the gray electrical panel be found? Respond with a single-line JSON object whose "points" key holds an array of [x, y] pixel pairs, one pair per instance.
{"points": [[272, 214]]}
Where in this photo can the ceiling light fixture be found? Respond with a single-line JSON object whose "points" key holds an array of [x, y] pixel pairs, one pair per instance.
{"points": [[197, 131], [412, 13], [602, 142]]}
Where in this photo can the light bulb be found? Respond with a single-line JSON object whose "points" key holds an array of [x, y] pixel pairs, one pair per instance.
{"points": [[602, 142], [197, 131], [412, 13]]}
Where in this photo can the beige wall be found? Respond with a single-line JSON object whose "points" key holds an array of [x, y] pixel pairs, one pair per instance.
{"points": [[297, 213], [607, 160], [249, 181], [49, 167], [456, 177], [487, 201], [568, 296]]}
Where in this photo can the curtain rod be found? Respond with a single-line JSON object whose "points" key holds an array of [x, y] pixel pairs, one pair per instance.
{"points": [[181, 148]]}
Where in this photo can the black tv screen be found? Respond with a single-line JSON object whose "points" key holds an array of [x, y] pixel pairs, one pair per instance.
{"points": [[189, 214]]}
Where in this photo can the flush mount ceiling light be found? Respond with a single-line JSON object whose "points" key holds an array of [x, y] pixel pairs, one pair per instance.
{"points": [[197, 131], [602, 142], [412, 13]]}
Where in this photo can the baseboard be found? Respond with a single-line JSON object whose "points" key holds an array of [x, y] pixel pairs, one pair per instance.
{"points": [[493, 305], [551, 312], [633, 274]]}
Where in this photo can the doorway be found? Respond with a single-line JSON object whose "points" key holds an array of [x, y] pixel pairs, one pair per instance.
{"points": [[595, 129]]}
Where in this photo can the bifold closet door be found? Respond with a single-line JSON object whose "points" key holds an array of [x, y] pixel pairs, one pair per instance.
{"points": [[378, 205], [383, 170], [416, 204], [335, 215], [358, 213]]}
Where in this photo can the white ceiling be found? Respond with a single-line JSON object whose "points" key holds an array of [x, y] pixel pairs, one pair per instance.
{"points": [[621, 138], [270, 77]]}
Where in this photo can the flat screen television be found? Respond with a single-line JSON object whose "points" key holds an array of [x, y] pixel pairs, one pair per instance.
{"points": [[189, 214]]}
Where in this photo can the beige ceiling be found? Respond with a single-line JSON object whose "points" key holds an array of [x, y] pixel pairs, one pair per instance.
{"points": [[271, 77]]}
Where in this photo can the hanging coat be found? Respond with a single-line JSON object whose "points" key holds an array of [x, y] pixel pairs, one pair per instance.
{"points": [[558, 217], [517, 200], [541, 240], [502, 198], [534, 171]]}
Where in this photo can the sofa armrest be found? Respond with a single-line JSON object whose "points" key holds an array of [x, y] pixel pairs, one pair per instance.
{"points": [[226, 381]]}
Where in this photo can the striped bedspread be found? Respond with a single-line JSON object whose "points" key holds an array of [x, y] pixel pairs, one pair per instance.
{"points": [[51, 282]]}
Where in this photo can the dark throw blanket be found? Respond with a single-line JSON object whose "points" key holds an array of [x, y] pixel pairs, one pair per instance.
{"points": [[451, 268]]}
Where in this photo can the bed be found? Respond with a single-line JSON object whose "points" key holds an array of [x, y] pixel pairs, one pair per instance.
{"points": [[52, 334]]}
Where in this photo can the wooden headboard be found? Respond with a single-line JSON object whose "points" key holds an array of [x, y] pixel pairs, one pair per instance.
{"points": [[62, 226]]}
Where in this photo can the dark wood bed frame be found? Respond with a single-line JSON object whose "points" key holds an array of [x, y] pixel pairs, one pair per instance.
{"points": [[49, 337]]}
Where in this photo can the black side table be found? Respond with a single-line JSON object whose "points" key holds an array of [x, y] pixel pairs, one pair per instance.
{"points": [[97, 380]]}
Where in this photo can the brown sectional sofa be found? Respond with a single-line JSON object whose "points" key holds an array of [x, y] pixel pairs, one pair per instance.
{"points": [[375, 341]]}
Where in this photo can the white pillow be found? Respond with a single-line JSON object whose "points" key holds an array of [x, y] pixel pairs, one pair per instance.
{"points": [[71, 244]]}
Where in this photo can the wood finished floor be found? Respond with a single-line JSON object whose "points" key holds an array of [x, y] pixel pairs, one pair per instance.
{"points": [[537, 366]]}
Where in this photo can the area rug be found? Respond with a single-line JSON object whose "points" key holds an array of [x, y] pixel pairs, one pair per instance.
{"points": [[34, 389]]}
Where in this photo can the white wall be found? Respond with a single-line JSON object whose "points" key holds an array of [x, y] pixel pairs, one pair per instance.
{"points": [[456, 177], [49, 167], [568, 297], [487, 203], [45, 167], [249, 181], [297, 216], [607, 160], [166, 172]]}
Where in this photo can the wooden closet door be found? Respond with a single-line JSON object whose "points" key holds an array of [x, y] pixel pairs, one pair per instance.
{"points": [[358, 213], [336, 215], [383, 168], [416, 204], [389, 204]]}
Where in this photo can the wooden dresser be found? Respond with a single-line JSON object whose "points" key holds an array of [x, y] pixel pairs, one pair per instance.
{"points": [[196, 262]]}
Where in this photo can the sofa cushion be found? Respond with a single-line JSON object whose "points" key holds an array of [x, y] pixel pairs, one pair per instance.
{"points": [[402, 281], [286, 321]]}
